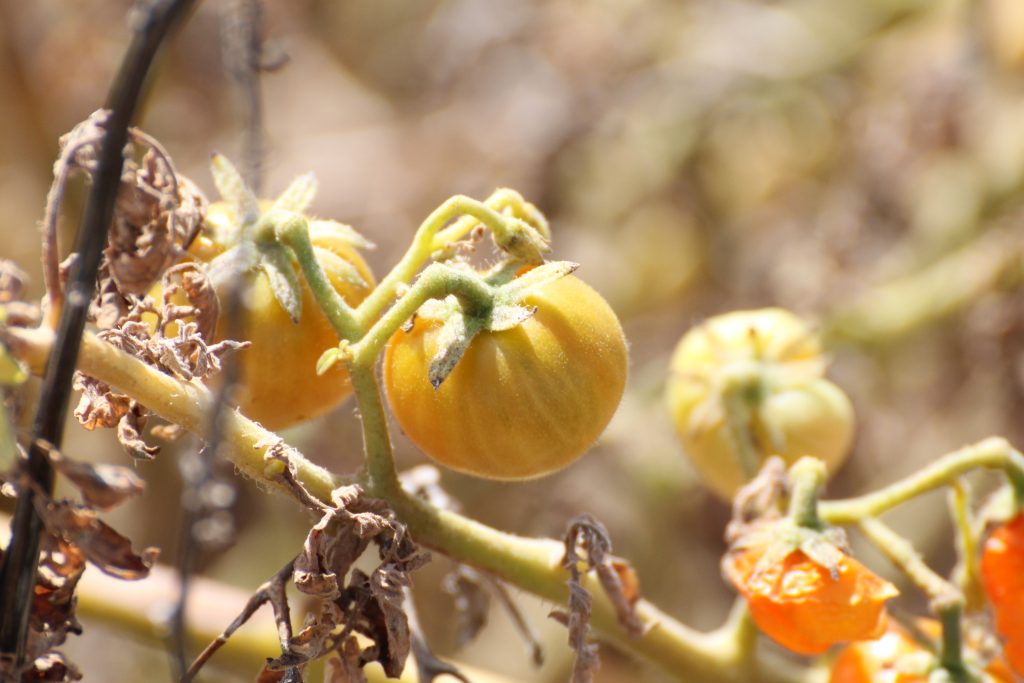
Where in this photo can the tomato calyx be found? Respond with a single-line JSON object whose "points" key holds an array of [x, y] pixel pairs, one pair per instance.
{"points": [[254, 236], [461, 319]]}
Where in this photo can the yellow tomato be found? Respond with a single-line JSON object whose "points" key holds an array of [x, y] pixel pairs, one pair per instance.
{"points": [[522, 402], [279, 386], [767, 365]]}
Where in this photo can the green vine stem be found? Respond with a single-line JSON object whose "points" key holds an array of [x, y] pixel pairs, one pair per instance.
{"points": [[531, 564], [292, 229], [991, 453], [429, 239], [968, 570], [946, 599], [436, 282], [807, 476], [737, 387]]}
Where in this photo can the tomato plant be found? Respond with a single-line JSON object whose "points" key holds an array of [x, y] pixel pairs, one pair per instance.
{"points": [[1002, 566], [800, 605], [749, 384], [522, 402], [281, 347]]}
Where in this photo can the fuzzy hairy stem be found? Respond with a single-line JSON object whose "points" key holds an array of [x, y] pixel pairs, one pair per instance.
{"points": [[430, 238], [991, 453], [531, 564]]}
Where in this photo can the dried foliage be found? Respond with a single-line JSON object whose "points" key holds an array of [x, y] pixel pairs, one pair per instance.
{"points": [[349, 602], [73, 535], [588, 547]]}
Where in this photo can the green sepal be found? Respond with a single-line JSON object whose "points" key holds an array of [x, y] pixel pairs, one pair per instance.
{"points": [[338, 268], [322, 230], [327, 360], [232, 189], [284, 281], [298, 195], [521, 287], [454, 338]]}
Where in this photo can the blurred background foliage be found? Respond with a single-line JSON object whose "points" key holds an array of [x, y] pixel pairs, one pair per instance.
{"points": [[694, 156]]}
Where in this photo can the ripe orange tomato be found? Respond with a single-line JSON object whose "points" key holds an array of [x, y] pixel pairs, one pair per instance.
{"points": [[793, 410], [1002, 571], [898, 658], [522, 402], [279, 386], [798, 604]]}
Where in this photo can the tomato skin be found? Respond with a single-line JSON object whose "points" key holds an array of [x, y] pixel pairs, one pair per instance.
{"points": [[798, 604], [278, 384], [808, 416], [1002, 571], [523, 402]]}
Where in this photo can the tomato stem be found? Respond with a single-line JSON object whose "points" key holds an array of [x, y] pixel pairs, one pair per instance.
{"points": [[436, 282], [806, 477], [430, 238], [992, 453], [902, 553], [968, 571], [293, 231], [738, 387]]}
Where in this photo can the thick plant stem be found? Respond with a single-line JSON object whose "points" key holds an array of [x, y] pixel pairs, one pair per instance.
{"points": [[992, 453], [424, 244], [530, 564]]}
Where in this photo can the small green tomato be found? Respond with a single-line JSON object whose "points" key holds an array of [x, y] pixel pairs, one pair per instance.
{"points": [[748, 385]]}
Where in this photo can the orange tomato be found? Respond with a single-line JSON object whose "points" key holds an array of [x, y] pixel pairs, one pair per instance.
{"points": [[522, 402], [279, 386], [1002, 570], [798, 604]]}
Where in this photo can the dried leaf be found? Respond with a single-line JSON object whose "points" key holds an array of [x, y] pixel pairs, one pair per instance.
{"points": [[103, 486], [190, 280], [98, 405], [129, 434], [472, 601], [108, 550]]}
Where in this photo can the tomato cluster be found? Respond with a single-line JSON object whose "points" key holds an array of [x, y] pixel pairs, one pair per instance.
{"points": [[804, 607], [521, 402]]}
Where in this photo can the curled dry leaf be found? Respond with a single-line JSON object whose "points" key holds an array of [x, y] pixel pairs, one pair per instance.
{"points": [[588, 545], [108, 550], [103, 487]]}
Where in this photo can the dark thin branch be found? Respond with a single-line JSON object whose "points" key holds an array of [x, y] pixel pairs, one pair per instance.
{"points": [[151, 23], [243, 46], [272, 591]]}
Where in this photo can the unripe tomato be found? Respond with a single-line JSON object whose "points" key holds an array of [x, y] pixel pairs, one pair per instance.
{"points": [[798, 603], [522, 402], [771, 360], [279, 385], [1002, 571]]}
